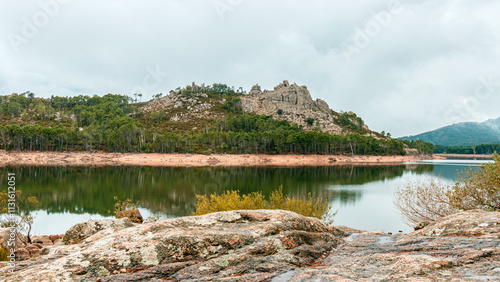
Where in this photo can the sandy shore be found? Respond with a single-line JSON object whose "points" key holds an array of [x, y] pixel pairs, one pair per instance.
{"points": [[190, 160], [463, 156]]}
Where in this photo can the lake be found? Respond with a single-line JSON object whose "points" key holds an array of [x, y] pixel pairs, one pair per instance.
{"points": [[362, 194]]}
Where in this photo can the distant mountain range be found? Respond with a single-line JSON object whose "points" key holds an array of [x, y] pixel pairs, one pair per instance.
{"points": [[462, 134]]}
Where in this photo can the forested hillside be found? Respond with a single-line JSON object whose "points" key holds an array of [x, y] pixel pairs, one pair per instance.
{"points": [[117, 123], [463, 134], [485, 149]]}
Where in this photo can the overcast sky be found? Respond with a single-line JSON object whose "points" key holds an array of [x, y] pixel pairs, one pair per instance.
{"points": [[404, 67]]}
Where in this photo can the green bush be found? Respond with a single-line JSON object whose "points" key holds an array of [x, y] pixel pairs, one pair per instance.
{"points": [[309, 121], [233, 200]]}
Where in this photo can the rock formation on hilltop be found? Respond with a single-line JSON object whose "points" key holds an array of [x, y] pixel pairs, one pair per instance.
{"points": [[293, 103]]}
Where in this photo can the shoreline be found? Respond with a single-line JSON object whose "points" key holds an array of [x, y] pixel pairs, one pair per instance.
{"points": [[194, 160], [466, 156]]}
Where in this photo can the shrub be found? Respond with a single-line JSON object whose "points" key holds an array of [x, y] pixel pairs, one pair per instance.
{"points": [[474, 189], [233, 200], [424, 201], [229, 200], [24, 219], [3, 254], [478, 189], [129, 209]]}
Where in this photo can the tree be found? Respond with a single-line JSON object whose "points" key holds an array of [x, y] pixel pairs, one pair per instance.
{"points": [[14, 109], [478, 189], [22, 218], [474, 189], [424, 201]]}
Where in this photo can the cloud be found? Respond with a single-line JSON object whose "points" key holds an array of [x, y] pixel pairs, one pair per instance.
{"points": [[414, 75]]}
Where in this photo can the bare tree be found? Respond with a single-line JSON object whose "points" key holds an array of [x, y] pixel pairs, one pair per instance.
{"points": [[424, 201]]}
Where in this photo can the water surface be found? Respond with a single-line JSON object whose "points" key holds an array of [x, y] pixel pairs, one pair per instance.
{"points": [[362, 194]]}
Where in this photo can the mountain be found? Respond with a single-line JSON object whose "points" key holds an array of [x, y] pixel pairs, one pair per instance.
{"points": [[462, 134], [290, 102]]}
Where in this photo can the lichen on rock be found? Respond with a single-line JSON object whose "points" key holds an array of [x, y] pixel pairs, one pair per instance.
{"points": [[219, 245], [273, 245]]}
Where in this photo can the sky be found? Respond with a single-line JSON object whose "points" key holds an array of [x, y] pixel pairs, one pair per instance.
{"points": [[405, 67]]}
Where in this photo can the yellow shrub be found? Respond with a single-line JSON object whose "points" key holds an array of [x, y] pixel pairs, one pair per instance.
{"points": [[3, 254], [228, 201], [232, 200]]}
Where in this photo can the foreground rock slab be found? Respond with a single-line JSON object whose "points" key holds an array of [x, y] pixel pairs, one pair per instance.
{"points": [[373, 256], [460, 247], [272, 246], [469, 223], [241, 245]]}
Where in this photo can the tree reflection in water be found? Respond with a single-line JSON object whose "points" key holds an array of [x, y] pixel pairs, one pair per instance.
{"points": [[172, 191]]}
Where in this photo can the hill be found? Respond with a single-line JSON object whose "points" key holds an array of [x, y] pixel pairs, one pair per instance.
{"points": [[195, 119], [287, 102], [462, 134]]}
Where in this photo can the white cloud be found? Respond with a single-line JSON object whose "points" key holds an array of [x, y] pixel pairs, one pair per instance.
{"points": [[427, 60]]}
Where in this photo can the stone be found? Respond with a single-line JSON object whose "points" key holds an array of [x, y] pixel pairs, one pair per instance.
{"points": [[44, 240], [22, 254], [81, 231], [378, 257], [467, 223], [55, 238], [248, 245], [274, 245], [178, 105], [5, 236], [33, 250], [256, 90], [133, 214], [294, 99]]}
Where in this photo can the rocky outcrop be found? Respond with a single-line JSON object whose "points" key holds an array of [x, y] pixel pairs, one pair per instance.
{"points": [[273, 246], [286, 102], [25, 249], [246, 245], [184, 104], [293, 103], [83, 230], [468, 223], [133, 214], [460, 247], [7, 238], [375, 256]]}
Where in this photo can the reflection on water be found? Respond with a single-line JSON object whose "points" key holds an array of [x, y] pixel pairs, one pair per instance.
{"points": [[75, 194]]}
